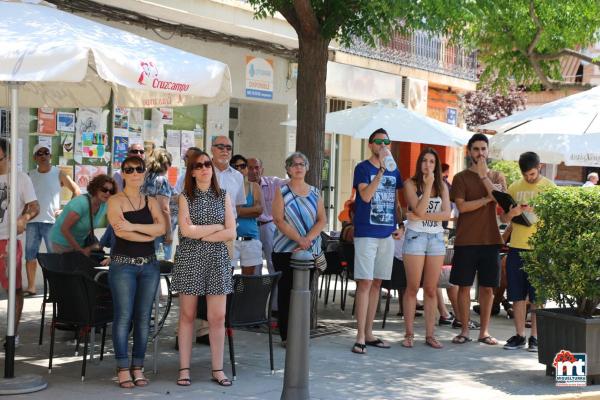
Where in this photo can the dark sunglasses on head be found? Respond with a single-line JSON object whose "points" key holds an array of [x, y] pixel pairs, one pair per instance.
{"points": [[42, 153], [240, 166], [136, 151], [221, 146], [104, 189], [200, 165], [130, 170], [381, 141]]}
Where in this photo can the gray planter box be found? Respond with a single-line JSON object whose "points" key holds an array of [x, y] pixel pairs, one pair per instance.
{"points": [[560, 329]]}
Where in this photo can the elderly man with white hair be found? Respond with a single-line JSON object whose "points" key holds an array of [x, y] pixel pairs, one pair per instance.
{"points": [[592, 180]]}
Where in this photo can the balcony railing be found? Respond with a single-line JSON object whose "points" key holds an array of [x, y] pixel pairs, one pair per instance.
{"points": [[421, 50]]}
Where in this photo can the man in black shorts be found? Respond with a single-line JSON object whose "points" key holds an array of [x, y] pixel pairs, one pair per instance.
{"points": [[478, 240]]}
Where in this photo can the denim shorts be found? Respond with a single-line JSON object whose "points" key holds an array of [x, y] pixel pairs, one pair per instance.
{"points": [[35, 232], [424, 244]]}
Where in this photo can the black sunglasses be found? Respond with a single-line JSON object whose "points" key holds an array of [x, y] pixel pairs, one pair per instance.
{"points": [[221, 146], [136, 151], [205, 164], [240, 166], [104, 189], [130, 170], [42, 153]]}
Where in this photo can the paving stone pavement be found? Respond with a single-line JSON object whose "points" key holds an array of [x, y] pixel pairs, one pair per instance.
{"points": [[469, 371]]}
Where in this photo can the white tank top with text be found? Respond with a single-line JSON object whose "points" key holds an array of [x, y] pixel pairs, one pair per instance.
{"points": [[425, 226]]}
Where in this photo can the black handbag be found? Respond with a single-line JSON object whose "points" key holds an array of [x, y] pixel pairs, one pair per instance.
{"points": [[91, 239]]}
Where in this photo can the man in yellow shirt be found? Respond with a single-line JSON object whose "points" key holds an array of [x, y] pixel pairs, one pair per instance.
{"points": [[519, 288]]}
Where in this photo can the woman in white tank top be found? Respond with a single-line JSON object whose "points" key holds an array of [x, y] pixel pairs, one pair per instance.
{"points": [[424, 249]]}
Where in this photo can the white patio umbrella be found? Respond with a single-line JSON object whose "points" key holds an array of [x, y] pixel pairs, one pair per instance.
{"points": [[581, 106], [566, 130], [402, 124], [55, 59], [572, 140]]}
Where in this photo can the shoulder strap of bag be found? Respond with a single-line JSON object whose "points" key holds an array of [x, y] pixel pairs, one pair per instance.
{"points": [[89, 199]]}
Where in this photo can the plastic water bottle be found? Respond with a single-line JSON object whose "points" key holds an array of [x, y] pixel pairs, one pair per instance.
{"points": [[388, 160], [160, 252]]}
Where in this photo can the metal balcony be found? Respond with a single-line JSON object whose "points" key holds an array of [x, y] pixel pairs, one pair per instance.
{"points": [[423, 51]]}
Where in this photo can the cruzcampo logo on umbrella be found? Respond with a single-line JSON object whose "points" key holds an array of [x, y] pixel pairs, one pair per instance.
{"points": [[149, 77]]}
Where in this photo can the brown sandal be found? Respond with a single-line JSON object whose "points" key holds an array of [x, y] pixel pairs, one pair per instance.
{"points": [[408, 340], [126, 384], [139, 381], [433, 342]]}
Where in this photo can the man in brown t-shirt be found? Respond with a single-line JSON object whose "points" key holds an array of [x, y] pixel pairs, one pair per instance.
{"points": [[478, 240]]}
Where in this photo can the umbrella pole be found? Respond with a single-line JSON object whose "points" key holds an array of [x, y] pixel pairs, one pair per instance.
{"points": [[26, 383]]}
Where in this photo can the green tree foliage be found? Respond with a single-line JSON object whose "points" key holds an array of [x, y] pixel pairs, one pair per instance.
{"points": [[564, 265], [523, 40], [510, 169], [317, 23]]}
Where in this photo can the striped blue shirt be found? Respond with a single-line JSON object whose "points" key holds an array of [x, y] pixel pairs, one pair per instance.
{"points": [[301, 213]]}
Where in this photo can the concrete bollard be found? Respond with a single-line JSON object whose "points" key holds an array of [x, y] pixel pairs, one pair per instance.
{"points": [[295, 381]]}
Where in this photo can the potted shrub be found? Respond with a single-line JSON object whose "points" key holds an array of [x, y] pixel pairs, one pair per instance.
{"points": [[564, 267]]}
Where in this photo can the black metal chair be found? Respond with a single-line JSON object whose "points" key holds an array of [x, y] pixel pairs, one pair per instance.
{"points": [[346, 256], [334, 268], [81, 303], [249, 305], [396, 282], [73, 261]]}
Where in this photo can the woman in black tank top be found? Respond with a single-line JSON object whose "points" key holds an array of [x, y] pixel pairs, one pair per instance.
{"points": [[134, 273]]}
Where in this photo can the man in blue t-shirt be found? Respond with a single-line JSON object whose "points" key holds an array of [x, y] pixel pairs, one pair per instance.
{"points": [[374, 232]]}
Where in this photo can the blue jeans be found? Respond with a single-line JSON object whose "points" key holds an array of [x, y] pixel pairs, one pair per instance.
{"points": [[133, 289]]}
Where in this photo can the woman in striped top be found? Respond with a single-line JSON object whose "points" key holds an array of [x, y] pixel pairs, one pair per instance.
{"points": [[299, 215]]}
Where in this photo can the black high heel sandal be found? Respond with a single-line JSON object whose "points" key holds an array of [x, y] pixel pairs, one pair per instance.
{"points": [[222, 382], [187, 381]]}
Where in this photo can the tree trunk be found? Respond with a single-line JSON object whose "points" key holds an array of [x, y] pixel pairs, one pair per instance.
{"points": [[311, 103]]}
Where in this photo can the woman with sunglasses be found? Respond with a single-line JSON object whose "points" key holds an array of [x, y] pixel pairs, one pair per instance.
{"points": [[299, 215], [248, 247], [202, 264], [157, 185], [73, 227], [424, 248], [134, 272]]}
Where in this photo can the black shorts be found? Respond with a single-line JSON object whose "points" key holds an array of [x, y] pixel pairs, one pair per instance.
{"points": [[483, 260]]}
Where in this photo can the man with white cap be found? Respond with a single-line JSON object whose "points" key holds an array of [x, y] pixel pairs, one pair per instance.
{"points": [[47, 182]]}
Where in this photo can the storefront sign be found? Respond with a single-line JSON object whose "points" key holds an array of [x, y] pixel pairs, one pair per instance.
{"points": [[259, 78], [451, 116]]}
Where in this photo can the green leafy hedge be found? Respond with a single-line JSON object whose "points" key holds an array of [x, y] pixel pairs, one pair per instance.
{"points": [[510, 170], [564, 265]]}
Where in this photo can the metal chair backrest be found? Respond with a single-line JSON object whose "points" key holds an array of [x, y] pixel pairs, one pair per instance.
{"points": [[251, 300]]}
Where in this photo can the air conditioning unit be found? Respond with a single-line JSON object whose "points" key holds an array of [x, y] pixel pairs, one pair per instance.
{"points": [[414, 94]]}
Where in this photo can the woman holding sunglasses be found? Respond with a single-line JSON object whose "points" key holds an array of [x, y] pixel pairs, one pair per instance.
{"points": [[134, 272], [202, 264], [248, 247], [73, 226]]}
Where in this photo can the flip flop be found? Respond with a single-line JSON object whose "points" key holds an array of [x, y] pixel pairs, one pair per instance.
{"points": [[488, 340], [378, 343], [362, 348], [27, 293], [460, 339]]}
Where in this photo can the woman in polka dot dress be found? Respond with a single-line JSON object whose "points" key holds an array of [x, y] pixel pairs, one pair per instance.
{"points": [[202, 265]]}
